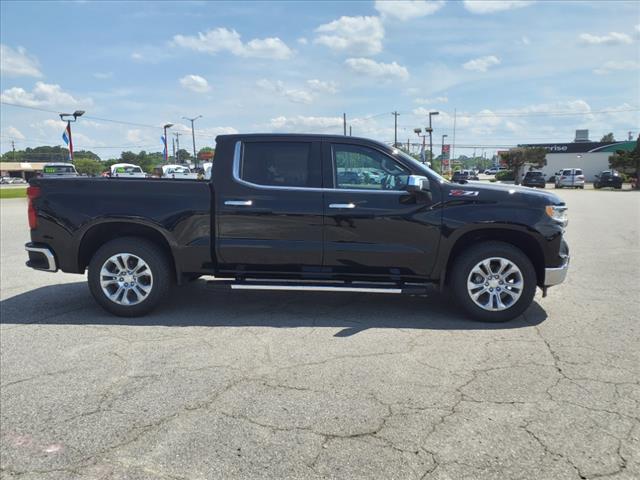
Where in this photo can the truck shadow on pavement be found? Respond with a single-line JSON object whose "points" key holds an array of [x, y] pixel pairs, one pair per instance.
{"points": [[197, 305]]}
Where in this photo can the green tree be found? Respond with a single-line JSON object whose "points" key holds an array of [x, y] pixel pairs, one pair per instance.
{"points": [[517, 158], [608, 137], [89, 166], [627, 161], [183, 156]]}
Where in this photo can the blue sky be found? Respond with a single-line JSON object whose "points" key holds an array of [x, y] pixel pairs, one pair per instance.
{"points": [[515, 72]]}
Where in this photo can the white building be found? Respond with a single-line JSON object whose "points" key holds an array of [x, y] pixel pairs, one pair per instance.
{"points": [[591, 157]]}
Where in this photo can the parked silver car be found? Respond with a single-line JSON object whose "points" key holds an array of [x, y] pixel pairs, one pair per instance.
{"points": [[570, 178]]}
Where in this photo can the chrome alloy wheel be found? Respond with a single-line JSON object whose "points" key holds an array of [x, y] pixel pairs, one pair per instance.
{"points": [[495, 284], [126, 279]]}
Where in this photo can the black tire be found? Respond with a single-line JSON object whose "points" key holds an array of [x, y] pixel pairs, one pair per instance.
{"points": [[463, 266], [152, 255]]}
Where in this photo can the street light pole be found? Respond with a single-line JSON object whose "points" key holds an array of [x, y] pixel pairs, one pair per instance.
{"points": [[66, 117], [430, 134], [442, 155], [166, 149], [193, 137]]}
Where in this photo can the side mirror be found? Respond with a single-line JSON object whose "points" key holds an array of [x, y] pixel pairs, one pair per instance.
{"points": [[417, 183]]}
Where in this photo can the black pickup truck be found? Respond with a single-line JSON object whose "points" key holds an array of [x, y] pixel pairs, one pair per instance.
{"points": [[302, 212]]}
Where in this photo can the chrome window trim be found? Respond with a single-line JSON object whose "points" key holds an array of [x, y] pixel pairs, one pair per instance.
{"points": [[237, 158]]}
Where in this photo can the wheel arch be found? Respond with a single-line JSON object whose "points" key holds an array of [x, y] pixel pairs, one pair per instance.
{"points": [[522, 240], [99, 234]]}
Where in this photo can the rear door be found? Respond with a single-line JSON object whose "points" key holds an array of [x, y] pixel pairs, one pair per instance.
{"points": [[269, 207], [373, 226]]}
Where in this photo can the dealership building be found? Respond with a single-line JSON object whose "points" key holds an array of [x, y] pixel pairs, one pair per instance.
{"points": [[591, 157]]}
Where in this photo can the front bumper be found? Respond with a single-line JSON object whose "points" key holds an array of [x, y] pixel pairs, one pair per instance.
{"points": [[556, 275], [41, 257]]}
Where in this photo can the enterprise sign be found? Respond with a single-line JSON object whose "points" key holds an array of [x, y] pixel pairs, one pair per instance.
{"points": [[581, 147]]}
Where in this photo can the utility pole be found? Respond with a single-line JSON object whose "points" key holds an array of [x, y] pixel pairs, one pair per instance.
{"points": [[177, 134], [193, 138], [173, 145], [349, 130], [442, 154], [408, 145], [164, 140], [344, 123], [395, 128], [630, 136], [453, 143], [13, 148]]}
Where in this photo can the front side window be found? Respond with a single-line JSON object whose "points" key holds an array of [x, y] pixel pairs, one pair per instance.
{"points": [[357, 167], [280, 164]]}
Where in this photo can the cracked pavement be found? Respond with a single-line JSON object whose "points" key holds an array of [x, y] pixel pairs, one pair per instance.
{"points": [[254, 385]]}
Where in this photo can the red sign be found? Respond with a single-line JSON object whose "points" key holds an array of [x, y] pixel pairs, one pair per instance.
{"points": [[446, 151]]}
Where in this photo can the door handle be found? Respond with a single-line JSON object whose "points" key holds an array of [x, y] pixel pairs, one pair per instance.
{"points": [[239, 203], [342, 205]]}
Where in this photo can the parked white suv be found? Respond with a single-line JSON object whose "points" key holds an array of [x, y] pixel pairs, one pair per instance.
{"points": [[570, 178]]}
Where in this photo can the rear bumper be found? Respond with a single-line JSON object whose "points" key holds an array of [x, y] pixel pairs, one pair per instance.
{"points": [[556, 275], [41, 257]]}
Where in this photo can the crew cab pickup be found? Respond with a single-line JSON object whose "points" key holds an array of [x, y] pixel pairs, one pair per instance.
{"points": [[302, 212]]}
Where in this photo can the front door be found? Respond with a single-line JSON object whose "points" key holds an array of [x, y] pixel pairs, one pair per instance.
{"points": [[270, 212], [373, 226]]}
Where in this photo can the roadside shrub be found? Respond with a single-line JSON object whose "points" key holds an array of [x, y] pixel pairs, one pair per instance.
{"points": [[505, 175]]}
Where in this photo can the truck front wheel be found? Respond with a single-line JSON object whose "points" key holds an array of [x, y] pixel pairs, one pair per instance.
{"points": [[129, 276], [493, 281]]}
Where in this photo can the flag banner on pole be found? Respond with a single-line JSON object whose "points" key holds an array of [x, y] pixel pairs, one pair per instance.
{"points": [[66, 136], [164, 150]]}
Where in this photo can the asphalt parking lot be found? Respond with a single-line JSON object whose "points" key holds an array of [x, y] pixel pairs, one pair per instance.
{"points": [[309, 385]]}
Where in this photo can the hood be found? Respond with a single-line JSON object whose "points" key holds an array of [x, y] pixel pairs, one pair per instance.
{"points": [[499, 192]]}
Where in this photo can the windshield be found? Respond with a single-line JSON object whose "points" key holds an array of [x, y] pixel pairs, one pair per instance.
{"points": [[128, 170], [58, 169], [399, 153]]}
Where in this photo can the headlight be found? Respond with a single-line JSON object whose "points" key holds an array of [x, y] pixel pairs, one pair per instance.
{"points": [[558, 213]]}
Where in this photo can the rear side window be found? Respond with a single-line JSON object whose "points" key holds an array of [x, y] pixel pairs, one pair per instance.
{"points": [[280, 164], [566, 172], [578, 171]]}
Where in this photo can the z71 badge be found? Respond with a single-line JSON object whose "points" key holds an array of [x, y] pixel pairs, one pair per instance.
{"points": [[464, 193]]}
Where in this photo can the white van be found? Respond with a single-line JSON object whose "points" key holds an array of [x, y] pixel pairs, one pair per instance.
{"points": [[207, 166], [127, 170]]}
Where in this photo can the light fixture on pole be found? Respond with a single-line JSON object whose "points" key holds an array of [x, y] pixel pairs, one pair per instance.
{"points": [[193, 137], [442, 154], [164, 139], [430, 130], [66, 136]]}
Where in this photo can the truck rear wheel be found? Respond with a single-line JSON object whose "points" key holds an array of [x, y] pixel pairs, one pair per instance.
{"points": [[129, 276], [493, 281]]}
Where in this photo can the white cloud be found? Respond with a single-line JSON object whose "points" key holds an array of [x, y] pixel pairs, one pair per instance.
{"points": [[134, 135], [481, 64], [610, 66], [195, 83], [42, 95], [321, 86], [18, 63], [355, 35], [491, 6], [291, 94], [637, 27], [429, 101], [302, 41], [525, 40], [613, 38], [137, 56], [14, 133], [306, 124], [103, 75], [222, 39], [407, 9], [371, 68]]}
